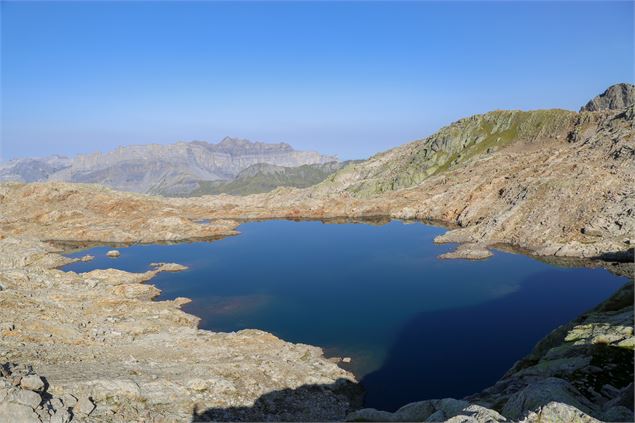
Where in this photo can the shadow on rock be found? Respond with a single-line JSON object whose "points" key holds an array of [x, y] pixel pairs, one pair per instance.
{"points": [[626, 256], [330, 402]]}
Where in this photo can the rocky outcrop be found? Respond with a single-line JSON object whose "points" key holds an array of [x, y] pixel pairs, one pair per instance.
{"points": [[447, 409], [77, 212], [468, 251], [161, 169], [618, 96]]}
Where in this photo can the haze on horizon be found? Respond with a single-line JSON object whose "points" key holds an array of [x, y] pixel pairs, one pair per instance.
{"points": [[350, 79]]}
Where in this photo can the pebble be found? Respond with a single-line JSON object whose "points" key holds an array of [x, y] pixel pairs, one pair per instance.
{"points": [[7, 326]]}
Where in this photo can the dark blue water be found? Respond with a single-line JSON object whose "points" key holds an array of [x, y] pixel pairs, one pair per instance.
{"points": [[416, 327]]}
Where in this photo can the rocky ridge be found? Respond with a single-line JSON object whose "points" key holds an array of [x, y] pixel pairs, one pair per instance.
{"points": [[618, 96]]}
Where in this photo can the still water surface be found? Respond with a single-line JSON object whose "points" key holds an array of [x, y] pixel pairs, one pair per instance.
{"points": [[416, 327]]}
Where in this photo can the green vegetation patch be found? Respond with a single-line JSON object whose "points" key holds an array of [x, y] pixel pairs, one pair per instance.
{"points": [[264, 178]]}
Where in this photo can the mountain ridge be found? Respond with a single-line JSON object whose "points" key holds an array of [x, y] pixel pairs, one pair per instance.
{"points": [[468, 138], [172, 168], [411, 163]]}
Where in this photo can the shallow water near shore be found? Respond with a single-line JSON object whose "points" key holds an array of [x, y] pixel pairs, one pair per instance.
{"points": [[415, 326]]}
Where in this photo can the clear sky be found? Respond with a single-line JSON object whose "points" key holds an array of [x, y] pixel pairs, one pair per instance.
{"points": [[342, 78]]}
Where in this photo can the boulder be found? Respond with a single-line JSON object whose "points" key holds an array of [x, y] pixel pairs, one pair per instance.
{"points": [[556, 412], [32, 383], [113, 253], [30, 398], [444, 410], [541, 393], [84, 406], [469, 251], [13, 412]]}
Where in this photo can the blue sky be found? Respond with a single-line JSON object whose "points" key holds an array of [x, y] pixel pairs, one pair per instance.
{"points": [[342, 78]]}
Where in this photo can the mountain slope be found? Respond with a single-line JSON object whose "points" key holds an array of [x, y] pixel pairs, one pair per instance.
{"points": [[264, 177], [172, 169], [410, 164], [471, 138]]}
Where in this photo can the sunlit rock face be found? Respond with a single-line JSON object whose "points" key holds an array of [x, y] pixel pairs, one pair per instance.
{"points": [[618, 96]]}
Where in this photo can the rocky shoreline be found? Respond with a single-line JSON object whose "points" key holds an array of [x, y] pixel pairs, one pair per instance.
{"points": [[99, 336]]}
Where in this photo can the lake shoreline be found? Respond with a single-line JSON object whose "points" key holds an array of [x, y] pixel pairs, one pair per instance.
{"points": [[28, 271]]}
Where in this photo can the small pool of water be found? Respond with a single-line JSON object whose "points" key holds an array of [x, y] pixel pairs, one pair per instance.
{"points": [[415, 327]]}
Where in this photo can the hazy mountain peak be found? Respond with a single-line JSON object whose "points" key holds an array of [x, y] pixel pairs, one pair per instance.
{"points": [[618, 96], [166, 168], [231, 144]]}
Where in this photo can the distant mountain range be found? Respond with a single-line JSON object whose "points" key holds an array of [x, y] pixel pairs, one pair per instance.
{"points": [[172, 169]]}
